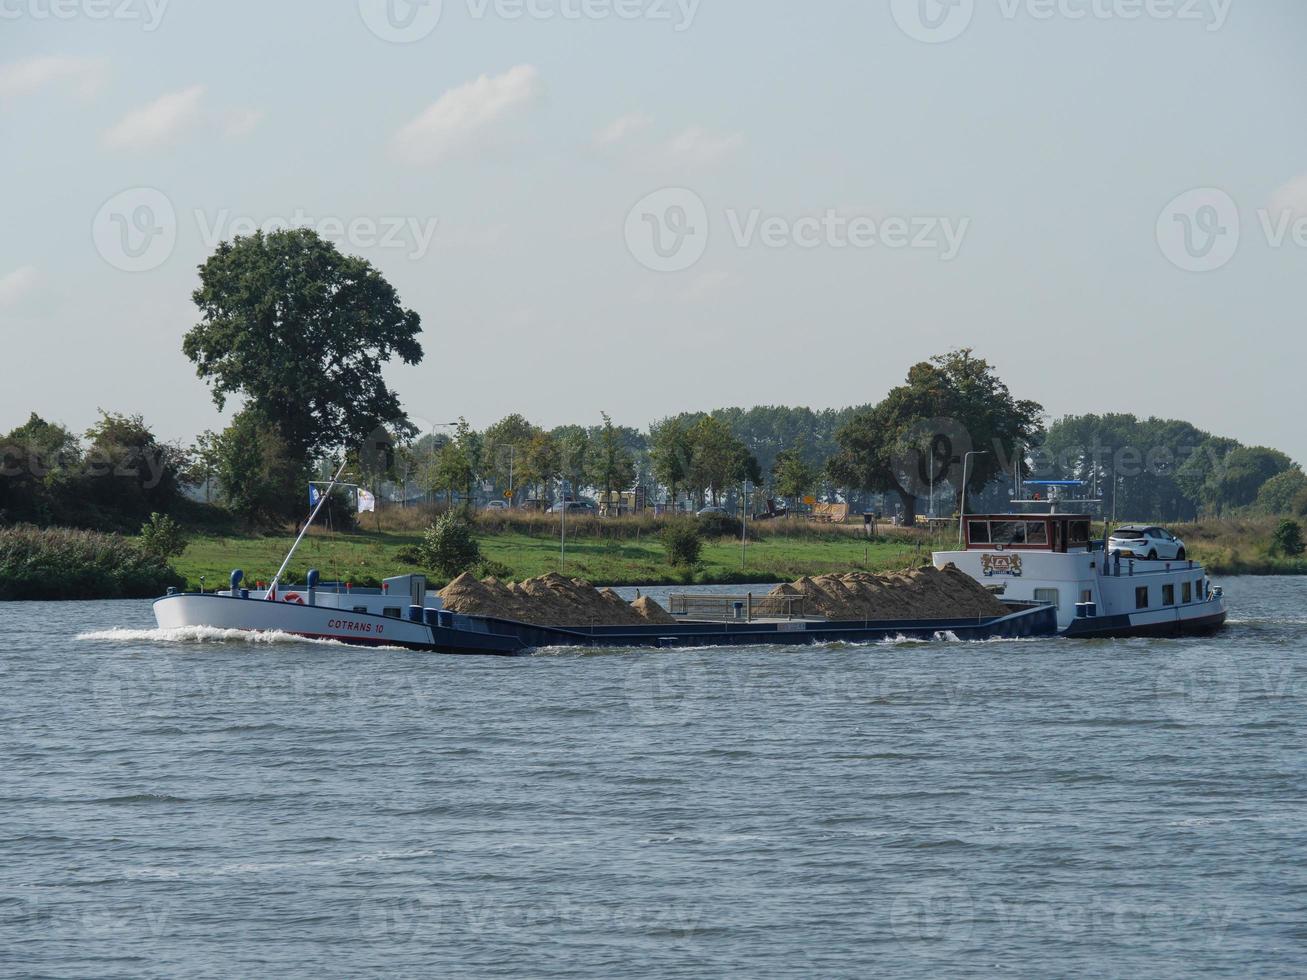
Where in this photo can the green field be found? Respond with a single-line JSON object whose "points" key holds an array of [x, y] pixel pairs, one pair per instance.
{"points": [[367, 557], [628, 552]]}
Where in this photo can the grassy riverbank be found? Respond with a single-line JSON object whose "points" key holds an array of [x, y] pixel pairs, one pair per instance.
{"points": [[61, 564], [618, 552], [629, 552], [1238, 547]]}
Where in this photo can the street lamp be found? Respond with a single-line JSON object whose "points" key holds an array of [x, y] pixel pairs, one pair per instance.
{"points": [[962, 510]]}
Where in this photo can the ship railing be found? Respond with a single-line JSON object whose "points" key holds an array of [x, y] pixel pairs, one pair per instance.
{"points": [[743, 608], [1128, 567]]}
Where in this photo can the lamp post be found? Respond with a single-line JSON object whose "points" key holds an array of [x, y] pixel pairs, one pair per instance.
{"points": [[962, 510]]}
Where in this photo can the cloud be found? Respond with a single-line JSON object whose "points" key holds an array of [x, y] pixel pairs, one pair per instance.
{"points": [[466, 116], [619, 129], [156, 123], [85, 75], [1291, 198], [697, 146], [17, 284], [242, 122]]}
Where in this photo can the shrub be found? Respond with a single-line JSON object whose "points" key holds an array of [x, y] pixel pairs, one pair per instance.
{"points": [[1287, 539], [493, 569], [410, 555], [448, 547], [162, 537], [718, 526], [63, 564], [683, 543]]}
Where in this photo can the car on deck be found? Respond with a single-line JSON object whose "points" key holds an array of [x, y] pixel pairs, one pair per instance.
{"points": [[1146, 541]]}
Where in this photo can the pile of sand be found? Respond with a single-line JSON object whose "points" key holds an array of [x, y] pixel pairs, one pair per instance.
{"points": [[551, 600], [922, 593]]}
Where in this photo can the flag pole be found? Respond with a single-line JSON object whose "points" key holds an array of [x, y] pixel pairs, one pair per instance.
{"points": [[272, 589]]}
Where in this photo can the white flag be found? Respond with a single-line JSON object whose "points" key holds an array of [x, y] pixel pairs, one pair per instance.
{"points": [[367, 502]]}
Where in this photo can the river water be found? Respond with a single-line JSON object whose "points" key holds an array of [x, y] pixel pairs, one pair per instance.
{"points": [[203, 805]]}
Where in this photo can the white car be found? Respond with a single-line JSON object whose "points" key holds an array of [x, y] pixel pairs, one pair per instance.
{"points": [[1146, 542]]}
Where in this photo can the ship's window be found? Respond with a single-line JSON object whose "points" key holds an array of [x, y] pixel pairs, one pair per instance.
{"points": [[1049, 596], [1036, 532], [1079, 534], [1198, 588], [1141, 597], [393, 612], [1168, 595], [978, 531], [1187, 592], [1008, 532], [360, 609]]}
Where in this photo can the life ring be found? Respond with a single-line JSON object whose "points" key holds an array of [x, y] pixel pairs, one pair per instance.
{"points": [[293, 597]]}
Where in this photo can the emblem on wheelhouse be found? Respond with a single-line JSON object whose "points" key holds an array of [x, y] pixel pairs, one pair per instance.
{"points": [[1114, 586]]}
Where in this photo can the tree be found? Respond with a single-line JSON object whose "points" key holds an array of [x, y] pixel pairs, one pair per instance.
{"points": [[540, 466], [456, 463], [573, 444], [1145, 468], [1243, 472], [671, 452], [1277, 494], [506, 443], [717, 457], [792, 475], [130, 473], [922, 431], [203, 462], [610, 462], [302, 332], [261, 480], [37, 460], [1199, 468]]}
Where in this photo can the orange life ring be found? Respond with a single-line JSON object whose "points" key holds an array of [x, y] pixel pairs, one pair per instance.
{"points": [[293, 597]]}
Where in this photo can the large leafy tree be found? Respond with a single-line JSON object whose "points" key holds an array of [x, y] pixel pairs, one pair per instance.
{"points": [[302, 332], [922, 431]]}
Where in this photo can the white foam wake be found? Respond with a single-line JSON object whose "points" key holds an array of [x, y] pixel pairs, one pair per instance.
{"points": [[198, 634]]}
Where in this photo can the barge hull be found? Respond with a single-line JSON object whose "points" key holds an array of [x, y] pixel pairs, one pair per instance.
{"points": [[451, 633]]}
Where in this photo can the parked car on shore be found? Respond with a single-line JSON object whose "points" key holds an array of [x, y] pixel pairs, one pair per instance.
{"points": [[1147, 542], [581, 507], [710, 510]]}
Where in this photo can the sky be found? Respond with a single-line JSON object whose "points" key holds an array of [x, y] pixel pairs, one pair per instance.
{"points": [[645, 207]]}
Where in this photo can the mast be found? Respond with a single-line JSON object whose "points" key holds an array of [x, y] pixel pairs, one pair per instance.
{"points": [[272, 589]]}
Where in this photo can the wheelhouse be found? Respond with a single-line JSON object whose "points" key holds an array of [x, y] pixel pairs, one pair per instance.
{"points": [[1057, 533]]}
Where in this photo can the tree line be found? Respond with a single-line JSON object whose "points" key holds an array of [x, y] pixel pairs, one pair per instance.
{"points": [[300, 334]]}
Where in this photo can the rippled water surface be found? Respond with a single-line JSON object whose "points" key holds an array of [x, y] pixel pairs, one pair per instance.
{"points": [[199, 804]]}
